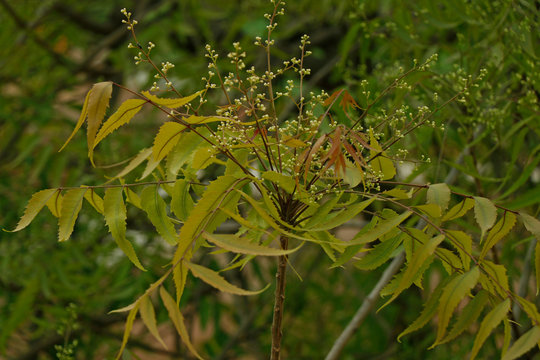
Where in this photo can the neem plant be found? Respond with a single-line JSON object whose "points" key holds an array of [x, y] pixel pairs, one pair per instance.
{"points": [[291, 182]]}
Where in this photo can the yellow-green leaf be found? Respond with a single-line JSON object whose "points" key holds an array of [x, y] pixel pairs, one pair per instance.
{"points": [[382, 228], [129, 325], [415, 265], [133, 163], [380, 164], [491, 320], [485, 213], [148, 317], [156, 209], [343, 216], [177, 319], [468, 316], [507, 336], [285, 182], [293, 142], [433, 210], [399, 194], [459, 210], [114, 211], [379, 254], [240, 245], [532, 224], [71, 205], [439, 194], [82, 117], [463, 244], [97, 105], [187, 144], [216, 280], [55, 203], [181, 202], [95, 200], [453, 293], [166, 138], [34, 206], [202, 158], [494, 278], [171, 103], [497, 232], [526, 342], [180, 272], [122, 116]]}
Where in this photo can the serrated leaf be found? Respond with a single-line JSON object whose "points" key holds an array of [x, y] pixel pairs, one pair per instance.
{"points": [[507, 336], [156, 209], [399, 194], [180, 272], [414, 266], [133, 163], [485, 213], [525, 343], [177, 319], [148, 317], [353, 175], [82, 118], [382, 228], [287, 183], [34, 206], [129, 325], [151, 165], [379, 254], [490, 322], [114, 211], [181, 203], [187, 144], [429, 310], [166, 138], [55, 203], [462, 242], [216, 280], [498, 231], [432, 210], [439, 194], [95, 200], [459, 210], [293, 142], [171, 103], [71, 205], [494, 278], [240, 245], [97, 105], [126, 111], [343, 216], [531, 224], [202, 158], [529, 308], [322, 212], [468, 316], [133, 198], [452, 295]]}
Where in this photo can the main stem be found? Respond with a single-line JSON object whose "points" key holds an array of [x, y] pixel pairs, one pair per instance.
{"points": [[279, 300]]}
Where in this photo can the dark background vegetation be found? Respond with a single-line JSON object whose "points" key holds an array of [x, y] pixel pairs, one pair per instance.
{"points": [[53, 51]]}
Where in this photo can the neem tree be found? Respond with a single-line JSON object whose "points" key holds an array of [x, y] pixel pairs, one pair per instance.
{"points": [[291, 182]]}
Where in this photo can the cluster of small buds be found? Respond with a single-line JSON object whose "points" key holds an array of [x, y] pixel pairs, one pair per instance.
{"points": [[150, 46], [154, 87], [165, 66], [211, 54], [138, 58]]}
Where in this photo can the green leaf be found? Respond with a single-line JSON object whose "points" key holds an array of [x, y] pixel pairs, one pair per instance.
{"points": [[180, 272], [171, 103], [55, 203], [34, 206], [114, 211], [181, 204], [432, 210], [97, 105], [240, 245], [127, 110], [470, 313], [285, 182], [136, 161], [415, 265], [322, 212], [379, 254], [380, 163], [156, 209], [166, 138], [95, 200], [485, 213], [452, 295], [497, 232], [177, 319], [494, 278], [82, 117], [343, 216], [182, 152], [203, 157], [463, 244], [399, 194], [491, 320], [71, 205], [531, 224], [148, 317], [439, 194], [459, 210], [381, 229], [430, 308], [214, 279], [129, 325], [526, 342]]}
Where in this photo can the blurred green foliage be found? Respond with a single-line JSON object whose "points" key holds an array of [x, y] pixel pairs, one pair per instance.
{"points": [[52, 51]]}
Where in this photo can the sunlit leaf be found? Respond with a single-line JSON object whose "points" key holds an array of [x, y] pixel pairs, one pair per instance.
{"points": [[156, 209], [287, 183], [380, 163], [240, 245], [82, 117], [166, 138], [181, 202], [97, 105], [114, 211], [381, 229], [95, 200], [525, 343], [148, 317], [462, 242], [491, 320], [433, 210], [494, 278], [133, 163], [127, 330], [71, 205], [459, 210], [216, 280], [379, 254], [498, 231], [34, 206], [171, 103], [485, 213], [55, 203]]}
